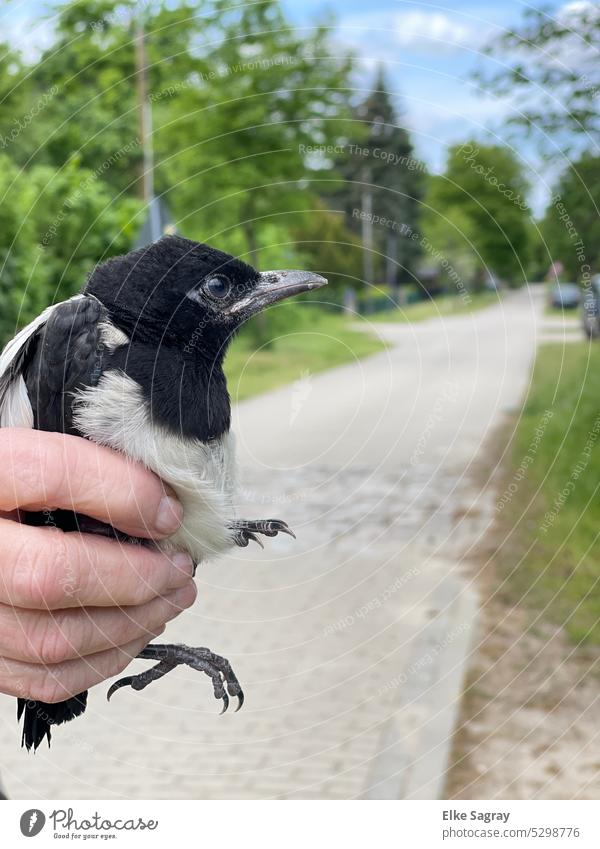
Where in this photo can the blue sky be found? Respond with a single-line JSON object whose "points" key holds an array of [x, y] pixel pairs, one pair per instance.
{"points": [[429, 50]]}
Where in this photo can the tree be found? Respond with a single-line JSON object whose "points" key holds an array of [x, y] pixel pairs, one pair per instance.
{"points": [[383, 179], [17, 110], [329, 248], [92, 65], [551, 63], [243, 135], [478, 208], [54, 227], [237, 94], [571, 225]]}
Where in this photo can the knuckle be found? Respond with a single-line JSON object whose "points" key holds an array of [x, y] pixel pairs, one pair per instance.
{"points": [[51, 645]]}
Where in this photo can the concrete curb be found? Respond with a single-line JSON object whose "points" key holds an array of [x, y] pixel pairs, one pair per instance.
{"points": [[416, 741]]}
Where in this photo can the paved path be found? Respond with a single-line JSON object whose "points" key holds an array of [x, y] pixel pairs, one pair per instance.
{"points": [[349, 641]]}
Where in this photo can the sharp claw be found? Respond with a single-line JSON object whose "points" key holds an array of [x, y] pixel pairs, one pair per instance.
{"points": [[122, 682], [256, 539], [240, 701], [280, 527], [225, 703]]}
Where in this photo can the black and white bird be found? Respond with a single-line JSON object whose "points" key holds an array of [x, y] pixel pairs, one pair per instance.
{"points": [[135, 362]]}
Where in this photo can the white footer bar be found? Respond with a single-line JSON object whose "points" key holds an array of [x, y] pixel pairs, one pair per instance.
{"points": [[302, 824]]}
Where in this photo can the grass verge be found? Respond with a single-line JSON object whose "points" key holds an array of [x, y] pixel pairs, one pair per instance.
{"points": [[444, 305], [321, 341], [549, 497]]}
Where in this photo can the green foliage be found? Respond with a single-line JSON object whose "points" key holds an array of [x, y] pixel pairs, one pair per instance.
{"points": [[550, 64], [55, 226], [379, 159], [477, 213], [22, 285], [237, 140], [236, 94], [92, 66], [571, 225], [325, 245]]}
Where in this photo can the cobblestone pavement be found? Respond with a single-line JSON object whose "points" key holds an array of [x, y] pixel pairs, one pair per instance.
{"points": [[346, 639]]}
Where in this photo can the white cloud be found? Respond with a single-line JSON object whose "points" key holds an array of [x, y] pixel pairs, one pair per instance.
{"points": [[577, 7], [28, 33], [429, 32], [419, 29]]}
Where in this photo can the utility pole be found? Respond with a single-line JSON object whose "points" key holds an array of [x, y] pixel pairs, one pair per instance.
{"points": [[367, 226], [145, 125]]}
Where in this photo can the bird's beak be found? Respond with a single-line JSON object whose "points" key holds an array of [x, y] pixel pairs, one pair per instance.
{"points": [[274, 286]]}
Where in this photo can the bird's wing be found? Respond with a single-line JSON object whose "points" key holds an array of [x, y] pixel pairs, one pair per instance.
{"points": [[60, 352], [15, 406]]}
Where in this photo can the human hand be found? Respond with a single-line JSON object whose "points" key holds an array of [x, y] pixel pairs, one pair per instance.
{"points": [[76, 608]]}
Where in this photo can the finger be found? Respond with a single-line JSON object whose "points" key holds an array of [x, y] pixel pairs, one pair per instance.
{"points": [[39, 637], [60, 681], [46, 569], [53, 470]]}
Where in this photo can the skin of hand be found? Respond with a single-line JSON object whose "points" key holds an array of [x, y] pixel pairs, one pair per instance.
{"points": [[75, 608]]}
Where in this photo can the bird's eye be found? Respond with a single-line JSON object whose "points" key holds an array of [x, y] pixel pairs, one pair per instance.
{"points": [[217, 286]]}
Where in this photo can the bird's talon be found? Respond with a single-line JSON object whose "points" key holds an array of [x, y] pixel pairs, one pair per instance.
{"points": [[225, 698], [240, 701], [122, 682], [248, 530]]}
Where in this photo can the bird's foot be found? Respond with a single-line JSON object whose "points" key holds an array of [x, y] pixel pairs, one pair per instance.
{"points": [[247, 529], [203, 660]]}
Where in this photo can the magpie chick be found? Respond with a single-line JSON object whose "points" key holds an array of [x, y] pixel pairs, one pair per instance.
{"points": [[135, 362]]}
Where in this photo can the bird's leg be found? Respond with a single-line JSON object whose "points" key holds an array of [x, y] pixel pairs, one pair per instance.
{"points": [[247, 529], [201, 659]]}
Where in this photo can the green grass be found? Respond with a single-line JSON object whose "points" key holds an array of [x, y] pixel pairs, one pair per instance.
{"points": [[557, 312], [549, 525], [321, 341], [442, 306]]}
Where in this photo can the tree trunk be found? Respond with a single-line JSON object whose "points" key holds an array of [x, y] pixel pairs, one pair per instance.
{"points": [[367, 233], [391, 266]]}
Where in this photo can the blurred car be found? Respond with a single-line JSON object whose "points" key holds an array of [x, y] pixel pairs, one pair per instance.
{"points": [[566, 296], [591, 308]]}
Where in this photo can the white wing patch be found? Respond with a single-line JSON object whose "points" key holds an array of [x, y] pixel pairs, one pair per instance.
{"points": [[112, 336], [114, 413], [15, 406], [16, 409]]}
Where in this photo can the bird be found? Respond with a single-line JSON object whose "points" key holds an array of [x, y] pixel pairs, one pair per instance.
{"points": [[135, 362]]}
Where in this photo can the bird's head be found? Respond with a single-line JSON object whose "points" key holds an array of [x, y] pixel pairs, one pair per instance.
{"points": [[183, 293]]}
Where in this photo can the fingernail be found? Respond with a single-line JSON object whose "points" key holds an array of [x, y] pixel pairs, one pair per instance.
{"points": [[182, 569], [169, 515]]}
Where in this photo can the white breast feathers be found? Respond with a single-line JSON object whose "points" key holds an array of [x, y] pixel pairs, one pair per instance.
{"points": [[114, 413]]}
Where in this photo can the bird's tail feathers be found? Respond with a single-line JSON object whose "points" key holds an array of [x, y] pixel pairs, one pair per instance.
{"points": [[39, 717]]}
